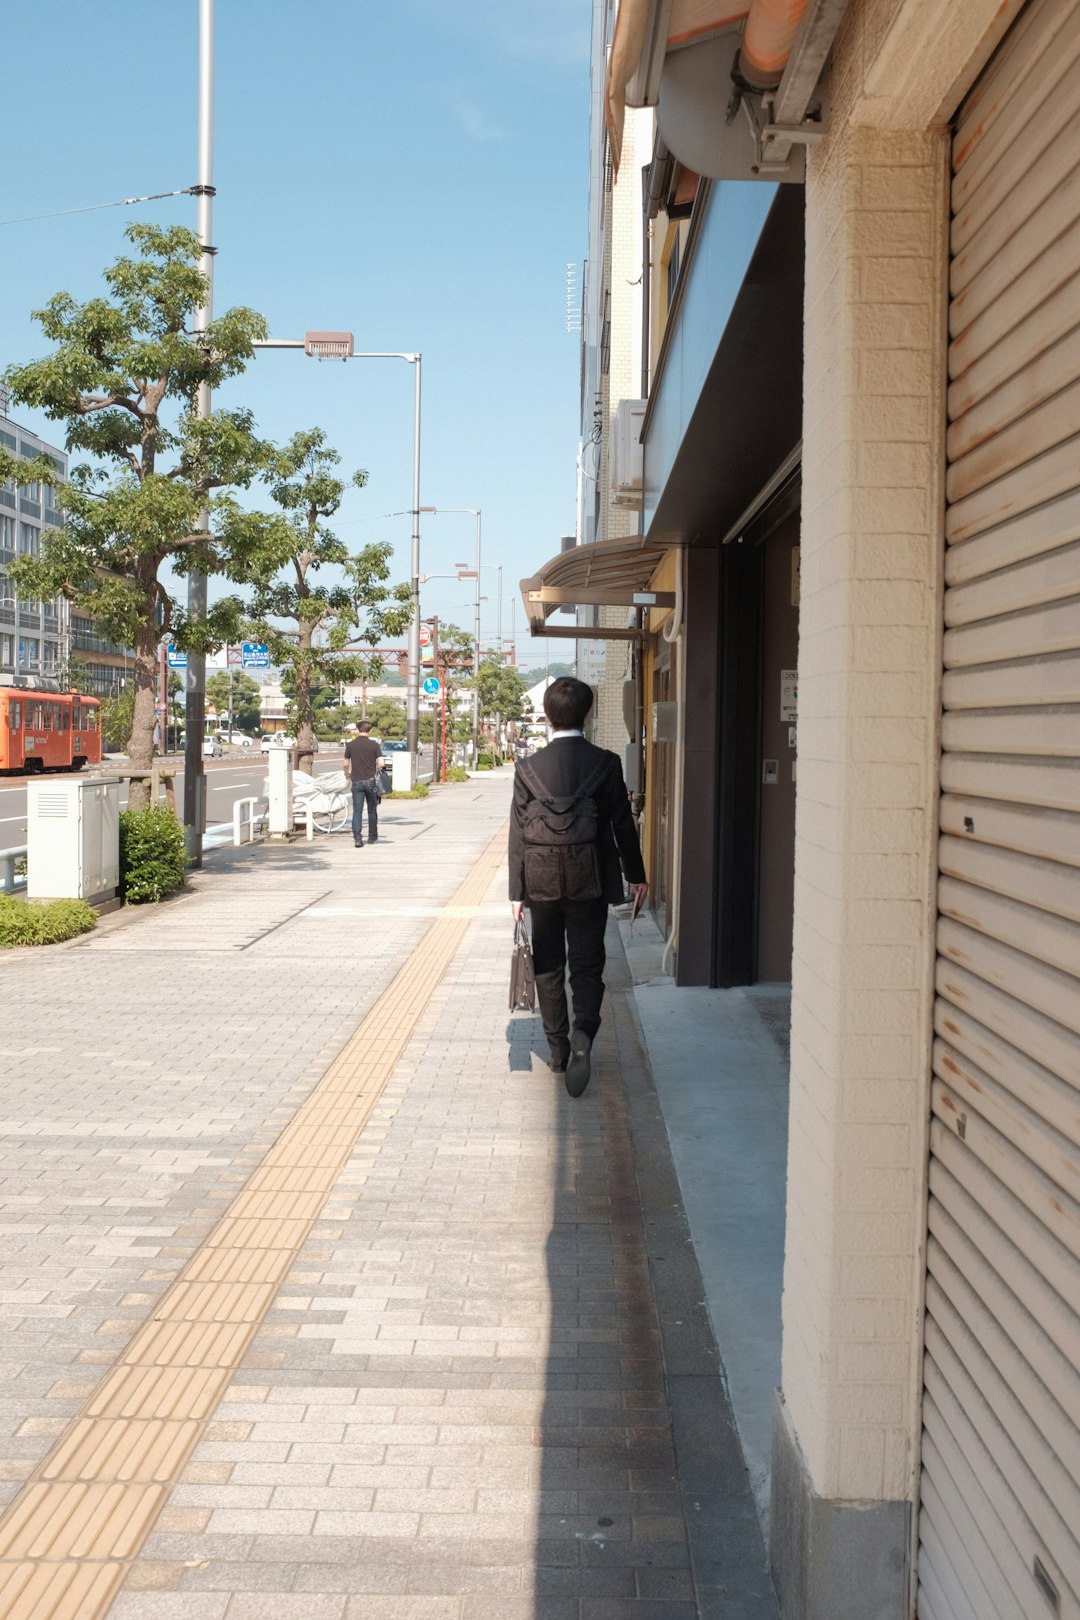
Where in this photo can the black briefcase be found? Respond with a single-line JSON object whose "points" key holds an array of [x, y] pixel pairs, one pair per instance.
{"points": [[522, 978]]}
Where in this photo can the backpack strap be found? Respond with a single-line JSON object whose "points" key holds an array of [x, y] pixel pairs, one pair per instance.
{"points": [[528, 775]]}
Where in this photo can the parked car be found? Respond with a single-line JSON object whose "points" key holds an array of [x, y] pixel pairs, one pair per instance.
{"points": [[238, 739], [211, 748], [395, 745], [277, 740]]}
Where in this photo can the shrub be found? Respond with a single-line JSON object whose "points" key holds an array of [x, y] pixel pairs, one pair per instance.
{"points": [[484, 762], [152, 854], [420, 791], [456, 773], [25, 922]]}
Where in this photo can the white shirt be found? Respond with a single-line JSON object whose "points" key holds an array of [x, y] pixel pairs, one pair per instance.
{"points": [[555, 735]]}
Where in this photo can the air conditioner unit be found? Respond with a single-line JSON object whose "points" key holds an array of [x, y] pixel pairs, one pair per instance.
{"points": [[627, 453]]}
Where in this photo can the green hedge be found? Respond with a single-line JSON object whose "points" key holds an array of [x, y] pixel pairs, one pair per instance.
{"points": [[152, 854], [25, 922], [456, 773]]}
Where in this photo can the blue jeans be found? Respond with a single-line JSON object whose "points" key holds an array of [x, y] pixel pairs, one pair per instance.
{"points": [[360, 792]]}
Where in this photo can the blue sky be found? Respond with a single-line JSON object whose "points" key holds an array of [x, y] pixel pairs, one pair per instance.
{"points": [[412, 170]]}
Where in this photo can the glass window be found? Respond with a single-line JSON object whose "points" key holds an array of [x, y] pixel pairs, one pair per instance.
{"points": [[7, 534], [14, 716], [91, 719], [28, 539]]}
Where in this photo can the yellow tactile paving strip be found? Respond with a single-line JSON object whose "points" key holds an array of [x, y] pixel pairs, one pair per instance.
{"points": [[68, 1538]]}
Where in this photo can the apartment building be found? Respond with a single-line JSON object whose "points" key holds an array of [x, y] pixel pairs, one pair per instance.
{"points": [[35, 637], [860, 531]]}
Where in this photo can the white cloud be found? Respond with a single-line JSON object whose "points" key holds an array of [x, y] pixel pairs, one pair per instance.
{"points": [[473, 119]]}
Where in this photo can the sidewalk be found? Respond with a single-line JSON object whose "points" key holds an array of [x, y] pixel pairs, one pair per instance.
{"points": [[321, 1297]]}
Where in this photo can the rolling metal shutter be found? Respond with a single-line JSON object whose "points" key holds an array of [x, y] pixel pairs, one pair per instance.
{"points": [[999, 1525]]}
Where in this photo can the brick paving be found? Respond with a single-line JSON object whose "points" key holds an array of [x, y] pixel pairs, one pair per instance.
{"points": [[457, 1404]]}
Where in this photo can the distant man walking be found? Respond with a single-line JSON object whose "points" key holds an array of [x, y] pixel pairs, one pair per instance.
{"points": [[363, 757], [570, 823]]}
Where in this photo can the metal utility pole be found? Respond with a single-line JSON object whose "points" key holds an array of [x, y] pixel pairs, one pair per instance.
{"points": [[412, 692], [476, 658], [195, 704]]}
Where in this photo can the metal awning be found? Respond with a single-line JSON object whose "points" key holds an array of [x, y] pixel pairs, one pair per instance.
{"points": [[609, 573]]}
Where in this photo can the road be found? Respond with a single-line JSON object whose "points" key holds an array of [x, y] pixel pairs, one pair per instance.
{"points": [[235, 777]]}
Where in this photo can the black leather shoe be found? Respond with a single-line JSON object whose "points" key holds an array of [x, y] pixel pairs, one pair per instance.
{"points": [[579, 1068], [357, 844], [558, 1059]]}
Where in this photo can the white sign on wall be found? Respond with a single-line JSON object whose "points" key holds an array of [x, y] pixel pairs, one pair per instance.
{"points": [[789, 695]]}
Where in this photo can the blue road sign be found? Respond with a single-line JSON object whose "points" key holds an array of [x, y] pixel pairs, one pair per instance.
{"points": [[432, 686], [254, 655], [177, 659]]}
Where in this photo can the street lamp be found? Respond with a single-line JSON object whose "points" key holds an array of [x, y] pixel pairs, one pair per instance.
{"points": [[474, 511], [339, 346]]}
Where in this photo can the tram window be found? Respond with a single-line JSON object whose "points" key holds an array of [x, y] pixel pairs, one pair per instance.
{"points": [[14, 716], [61, 717], [76, 717], [91, 720], [37, 723]]}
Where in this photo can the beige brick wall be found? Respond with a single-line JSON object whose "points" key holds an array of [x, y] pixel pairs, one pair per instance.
{"points": [[868, 702]]}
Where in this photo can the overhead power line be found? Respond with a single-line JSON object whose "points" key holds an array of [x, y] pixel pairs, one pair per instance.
{"points": [[121, 202]]}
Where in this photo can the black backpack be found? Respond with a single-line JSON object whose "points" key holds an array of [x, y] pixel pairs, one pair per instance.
{"points": [[561, 839]]}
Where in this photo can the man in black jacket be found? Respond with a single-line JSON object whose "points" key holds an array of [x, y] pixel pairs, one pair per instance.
{"points": [[574, 927]]}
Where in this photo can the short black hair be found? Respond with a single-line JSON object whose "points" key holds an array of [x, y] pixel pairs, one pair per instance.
{"points": [[365, 725], [567, 702]]}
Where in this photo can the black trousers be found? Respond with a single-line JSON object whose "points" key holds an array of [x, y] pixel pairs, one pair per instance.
{"points": [[574, 930], [365, 792]]}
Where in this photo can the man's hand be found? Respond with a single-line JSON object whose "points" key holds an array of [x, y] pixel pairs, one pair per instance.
{"points": [[517, 909], [639, 891]]}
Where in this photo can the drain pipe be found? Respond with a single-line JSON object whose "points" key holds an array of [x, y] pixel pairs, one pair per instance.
{"points": [[674, 636]]}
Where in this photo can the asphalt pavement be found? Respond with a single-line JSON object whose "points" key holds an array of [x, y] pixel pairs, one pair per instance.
{"points": [[234, 777]]}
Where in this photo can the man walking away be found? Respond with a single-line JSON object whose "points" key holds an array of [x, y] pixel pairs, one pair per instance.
{"points": [[363, 757], [570, 823]]}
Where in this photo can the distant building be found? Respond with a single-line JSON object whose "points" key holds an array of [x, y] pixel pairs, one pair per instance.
{"points": [[47, 640], [35, 637]]}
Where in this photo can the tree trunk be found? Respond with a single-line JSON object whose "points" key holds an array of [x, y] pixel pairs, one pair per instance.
{"points": [[141, 745], [305, 719]]}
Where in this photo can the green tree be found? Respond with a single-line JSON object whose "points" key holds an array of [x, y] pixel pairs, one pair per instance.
{"points": [[246, 698], [324, 622], [124, 377], [455, 668], [502, 692], [387, 716]]}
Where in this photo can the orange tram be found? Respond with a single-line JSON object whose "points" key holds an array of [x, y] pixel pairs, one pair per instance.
{"points": [[48, 731]]}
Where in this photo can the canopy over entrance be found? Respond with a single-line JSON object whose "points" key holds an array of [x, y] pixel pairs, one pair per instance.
{"points": [[610, 573]]}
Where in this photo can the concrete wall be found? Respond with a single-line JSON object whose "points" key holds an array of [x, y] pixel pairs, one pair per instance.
{"points": [[872, 548]]}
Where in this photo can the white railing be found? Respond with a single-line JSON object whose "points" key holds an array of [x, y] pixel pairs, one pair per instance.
{"points": [[245, 812], [11, 882]]}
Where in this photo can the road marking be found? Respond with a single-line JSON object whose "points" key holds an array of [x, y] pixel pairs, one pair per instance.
{"points": [[69, 1537]]}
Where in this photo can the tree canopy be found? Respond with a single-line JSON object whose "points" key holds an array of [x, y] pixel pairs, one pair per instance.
{"points": [[326, 626], [124, 377]]}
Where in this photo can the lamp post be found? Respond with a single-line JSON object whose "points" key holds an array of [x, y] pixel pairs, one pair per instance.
{"points": [[339, 346], [474, 511], [195, 704]]}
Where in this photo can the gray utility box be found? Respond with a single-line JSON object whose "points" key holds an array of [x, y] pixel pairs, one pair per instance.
{"points": [[73, 838]]}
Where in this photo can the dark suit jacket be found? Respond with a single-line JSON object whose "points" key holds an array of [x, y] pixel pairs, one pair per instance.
{"points": [[564, 766]]}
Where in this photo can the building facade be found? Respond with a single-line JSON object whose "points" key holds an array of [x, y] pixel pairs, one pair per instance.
{"points": [[35, 637], [861, 534]]}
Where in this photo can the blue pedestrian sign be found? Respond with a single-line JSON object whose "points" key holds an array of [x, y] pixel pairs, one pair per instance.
{"points": [[432, 686], [177, 659], [255, 655]]}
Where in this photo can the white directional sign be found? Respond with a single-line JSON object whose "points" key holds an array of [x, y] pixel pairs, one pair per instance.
{"points": [[255, 655]]}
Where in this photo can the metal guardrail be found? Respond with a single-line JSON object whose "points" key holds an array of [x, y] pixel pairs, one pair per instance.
{"points": [[12, 882]]}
